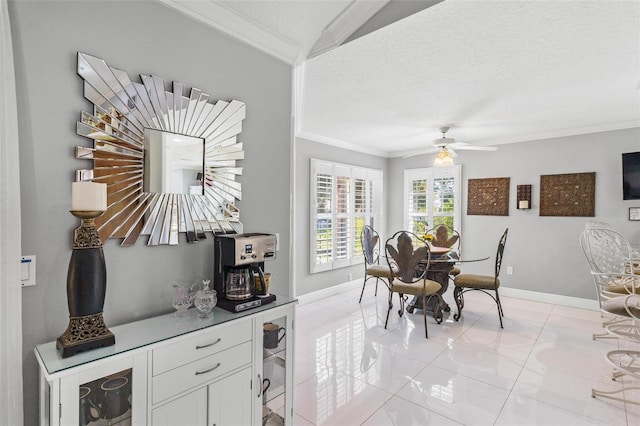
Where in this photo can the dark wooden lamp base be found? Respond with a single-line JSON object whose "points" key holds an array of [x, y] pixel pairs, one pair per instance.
{"points": [[84, 333]]}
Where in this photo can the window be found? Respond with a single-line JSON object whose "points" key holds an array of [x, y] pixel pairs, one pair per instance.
{"points": [[344, 199], [432, 198]]}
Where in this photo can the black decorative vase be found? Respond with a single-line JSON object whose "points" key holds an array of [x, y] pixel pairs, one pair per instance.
{"points": [[86, 289]]}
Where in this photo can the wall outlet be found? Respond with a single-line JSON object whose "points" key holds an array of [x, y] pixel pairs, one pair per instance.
{"points": [[509, 270], [350, 277]]}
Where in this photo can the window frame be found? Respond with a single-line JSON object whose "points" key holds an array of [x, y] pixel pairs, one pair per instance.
{"points": [[371, 199], [430, 174]]}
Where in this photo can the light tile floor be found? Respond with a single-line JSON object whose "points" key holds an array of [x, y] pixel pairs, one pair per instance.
{"points": [[538, 370]]}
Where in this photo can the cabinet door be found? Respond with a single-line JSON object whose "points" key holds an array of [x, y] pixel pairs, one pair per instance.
{"points": [[109, 392], [275, 368], [230, 400], [189, 410]]}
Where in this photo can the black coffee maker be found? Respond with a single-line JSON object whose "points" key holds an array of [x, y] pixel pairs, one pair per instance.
{"points": [[239, 265]]}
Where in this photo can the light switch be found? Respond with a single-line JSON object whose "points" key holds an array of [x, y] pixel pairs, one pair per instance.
{"points": [[28, 270]]}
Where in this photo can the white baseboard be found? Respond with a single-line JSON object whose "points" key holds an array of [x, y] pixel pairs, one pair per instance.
{"points": [[329, 291], [573, 302]]}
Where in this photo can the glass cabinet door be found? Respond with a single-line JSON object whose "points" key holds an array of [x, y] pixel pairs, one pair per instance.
{"points": [[274, 371], [106, 400]]}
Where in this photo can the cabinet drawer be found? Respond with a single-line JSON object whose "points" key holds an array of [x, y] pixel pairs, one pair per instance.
{"points": [[194, 348], [201, 371]]}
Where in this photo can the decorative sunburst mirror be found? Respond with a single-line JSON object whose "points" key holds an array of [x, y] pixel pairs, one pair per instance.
{"points": [[169, 160]]}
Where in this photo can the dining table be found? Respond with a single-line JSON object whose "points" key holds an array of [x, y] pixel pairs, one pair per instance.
{"points": [[442, 261]]}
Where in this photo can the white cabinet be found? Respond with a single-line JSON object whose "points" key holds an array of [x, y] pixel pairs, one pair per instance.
{"points": [[190, 409], [168, 371], [230, 400], [227, 401]]}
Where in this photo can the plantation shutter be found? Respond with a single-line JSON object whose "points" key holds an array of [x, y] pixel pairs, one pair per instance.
{"points": [[321, 216], [432, 198], [343, 200]]}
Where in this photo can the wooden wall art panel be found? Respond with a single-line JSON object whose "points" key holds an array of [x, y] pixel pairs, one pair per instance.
{"points": [[572, 194], [489, 197]]}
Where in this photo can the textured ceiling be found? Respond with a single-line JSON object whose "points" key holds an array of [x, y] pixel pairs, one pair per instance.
{"points": [[495, 71]]}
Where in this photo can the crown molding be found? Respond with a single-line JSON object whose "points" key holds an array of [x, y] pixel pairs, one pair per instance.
{"points": [[341, 144], [562, 133], [218, 16], [346, 23]]}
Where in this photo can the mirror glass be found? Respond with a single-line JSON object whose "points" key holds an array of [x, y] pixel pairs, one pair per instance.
{"points": [[173, 163], [169, 160]]}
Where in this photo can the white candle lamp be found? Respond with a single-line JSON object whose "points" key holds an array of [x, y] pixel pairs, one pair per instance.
{"points": [[87, 274], [524, 197]]}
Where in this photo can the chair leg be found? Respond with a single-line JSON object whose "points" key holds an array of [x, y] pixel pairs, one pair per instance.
{"points": [[500, 311], [458, 296], [402, 300], [363, 284], [376, 293], [424, 314], [389, 309], [610, 394]]}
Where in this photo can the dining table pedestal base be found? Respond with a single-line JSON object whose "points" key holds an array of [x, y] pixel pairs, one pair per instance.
{"points": [[436, 305]]}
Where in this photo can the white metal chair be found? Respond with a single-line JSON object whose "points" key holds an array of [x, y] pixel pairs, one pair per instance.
{"points": [[596, 243], [612, 264]]}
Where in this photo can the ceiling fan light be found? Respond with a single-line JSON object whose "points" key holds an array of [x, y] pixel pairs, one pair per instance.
{"points": [[443, 159]]}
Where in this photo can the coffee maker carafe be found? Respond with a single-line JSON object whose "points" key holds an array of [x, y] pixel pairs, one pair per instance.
{"points": [[238, 283], [239, 263]]}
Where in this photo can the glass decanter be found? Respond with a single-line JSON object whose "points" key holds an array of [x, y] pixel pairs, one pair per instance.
{"points": [[205, 300]]}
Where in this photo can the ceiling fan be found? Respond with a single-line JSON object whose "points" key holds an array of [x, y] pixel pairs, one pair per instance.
{"points": [[444, 147]]}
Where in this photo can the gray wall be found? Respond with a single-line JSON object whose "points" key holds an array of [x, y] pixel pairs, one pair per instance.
{"points": [[544, 251], [140, 37], [305, 150]]}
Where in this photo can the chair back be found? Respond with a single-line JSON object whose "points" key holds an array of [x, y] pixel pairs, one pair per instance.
{"points": [[500, 252], [607, 251], [411, 261], [370, 242], [451, 239], [598, 224]]}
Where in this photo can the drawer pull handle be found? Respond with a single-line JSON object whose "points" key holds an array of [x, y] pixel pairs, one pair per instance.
{"points": [[210, 344], [259, 386], [207, 371]]}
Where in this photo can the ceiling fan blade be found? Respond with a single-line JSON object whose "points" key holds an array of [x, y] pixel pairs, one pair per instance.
{"points": [[479, 148], [422, 152], [464, 145], [452, 152]]}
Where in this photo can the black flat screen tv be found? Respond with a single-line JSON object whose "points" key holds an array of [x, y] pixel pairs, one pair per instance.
{"points": [[631, 176]]}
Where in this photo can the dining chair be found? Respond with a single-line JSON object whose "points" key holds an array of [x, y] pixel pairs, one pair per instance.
{"points": [[612, 262], [370, 242], [613, 265], [445, 236], [411, 262], [485, 283]]}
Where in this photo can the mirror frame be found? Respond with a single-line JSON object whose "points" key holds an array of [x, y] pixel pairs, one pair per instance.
{"points": [[122, 109]]}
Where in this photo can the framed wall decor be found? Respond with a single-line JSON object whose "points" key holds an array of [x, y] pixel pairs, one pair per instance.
{"points": [[489, 197], [634, 213], [571, 194]]}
